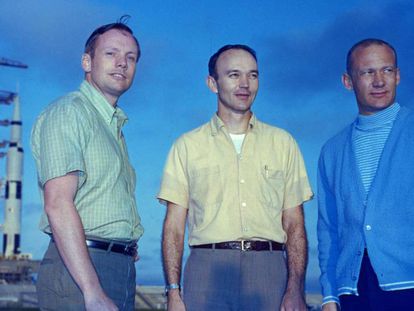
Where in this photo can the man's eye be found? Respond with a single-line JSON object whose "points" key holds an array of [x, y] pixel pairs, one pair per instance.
{"points": [[234, 75], [367, 72]]}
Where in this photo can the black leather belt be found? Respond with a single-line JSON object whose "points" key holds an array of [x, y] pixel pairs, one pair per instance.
{"points": [[245, 246], [130, 249], [126, 249]]}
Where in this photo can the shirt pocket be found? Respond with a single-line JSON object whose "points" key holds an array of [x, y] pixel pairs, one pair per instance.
{"points": [[206, 194], [273, 189]]}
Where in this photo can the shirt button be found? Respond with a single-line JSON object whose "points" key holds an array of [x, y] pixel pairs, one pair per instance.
{"points": [[245, 229], [354, 278], [359, 253], [244, 204], [242, 181], [368, 227]]}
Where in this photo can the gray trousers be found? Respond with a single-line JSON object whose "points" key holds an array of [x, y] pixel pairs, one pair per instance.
{"points": [[56, 290], [233, 280]]}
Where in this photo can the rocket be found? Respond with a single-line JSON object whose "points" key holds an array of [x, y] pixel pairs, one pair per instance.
{"points": [[13, 195]]}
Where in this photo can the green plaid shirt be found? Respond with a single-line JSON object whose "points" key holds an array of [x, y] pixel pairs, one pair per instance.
{"points": [[81, 132]]}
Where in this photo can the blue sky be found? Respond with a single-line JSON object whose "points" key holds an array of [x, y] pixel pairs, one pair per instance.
{"points": [[301, 46]]}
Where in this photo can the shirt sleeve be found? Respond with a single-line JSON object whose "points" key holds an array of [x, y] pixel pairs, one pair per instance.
{"points": [[297, 189], [57, 139], [327, 236], [174, 185]]}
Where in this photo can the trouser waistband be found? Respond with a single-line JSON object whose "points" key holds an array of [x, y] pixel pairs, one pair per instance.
{"points": [[245, 245], [128, 249]]}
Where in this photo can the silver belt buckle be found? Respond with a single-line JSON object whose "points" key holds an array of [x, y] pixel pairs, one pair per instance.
{"points": [[246, 245]]}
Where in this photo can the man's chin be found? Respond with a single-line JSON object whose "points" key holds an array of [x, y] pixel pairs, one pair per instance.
{"points": [[373, 108], [119, 90]]}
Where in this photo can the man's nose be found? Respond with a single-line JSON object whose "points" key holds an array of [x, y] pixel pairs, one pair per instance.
{"points": [[121, 62], [378, 79], [244, 81]]}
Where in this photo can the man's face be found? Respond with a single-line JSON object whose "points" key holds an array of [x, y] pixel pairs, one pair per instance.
{"points": [[374, 78], [112, 68], [237, 82]]}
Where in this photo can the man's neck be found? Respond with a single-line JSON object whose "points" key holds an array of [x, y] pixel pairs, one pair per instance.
{"points": [[112, 100], [235, 123]]}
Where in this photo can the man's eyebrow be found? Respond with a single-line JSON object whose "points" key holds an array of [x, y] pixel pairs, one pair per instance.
{"points": [[238, 70], [114, 48], [377, 68], [232, 70]]}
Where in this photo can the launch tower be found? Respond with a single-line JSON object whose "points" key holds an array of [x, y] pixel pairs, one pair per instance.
{"points": [[13, 185]]}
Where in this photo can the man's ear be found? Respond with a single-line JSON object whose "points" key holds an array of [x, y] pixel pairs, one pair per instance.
{"points": [[347, 81], [397, 75], [212, 84], [86, 62]]}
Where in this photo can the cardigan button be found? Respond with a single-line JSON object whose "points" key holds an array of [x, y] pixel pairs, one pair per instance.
{"points": [[368, 227]]}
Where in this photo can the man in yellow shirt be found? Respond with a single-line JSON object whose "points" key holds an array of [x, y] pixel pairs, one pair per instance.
{"points": [[240, 184]]}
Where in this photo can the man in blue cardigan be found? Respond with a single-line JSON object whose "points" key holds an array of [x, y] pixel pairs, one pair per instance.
{"points": [[366, 197]]}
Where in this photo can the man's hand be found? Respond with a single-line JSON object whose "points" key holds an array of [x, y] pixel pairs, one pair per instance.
{"points": [[99, 302], [136, 257], [330, 306], [175, 303], [293, 301]]}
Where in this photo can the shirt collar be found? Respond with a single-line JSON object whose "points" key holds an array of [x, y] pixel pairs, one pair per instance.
{"points": [[105, 109], [216, 124], [379, 119]]}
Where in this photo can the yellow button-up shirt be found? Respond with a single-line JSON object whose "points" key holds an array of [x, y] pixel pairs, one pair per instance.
{"points": [[233, 196], [81, 132]]}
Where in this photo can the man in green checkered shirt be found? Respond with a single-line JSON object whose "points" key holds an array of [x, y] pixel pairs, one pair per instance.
{"points": [[88, 184]]}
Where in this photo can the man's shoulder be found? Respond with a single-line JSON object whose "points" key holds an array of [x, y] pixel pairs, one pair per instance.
{"points": [[197, 133], [271, 128], [62, 114], [71, 104], [67, 102], [406, 113], [337, 141], [273, 132]]}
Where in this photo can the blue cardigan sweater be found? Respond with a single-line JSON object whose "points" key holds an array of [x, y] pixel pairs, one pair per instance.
{"points": [[384, 219]]}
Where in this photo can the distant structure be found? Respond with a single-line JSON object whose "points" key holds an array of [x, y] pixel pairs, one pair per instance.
{"points": [[6, 97], [11, 63], [13, 193], [16, 269]]}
